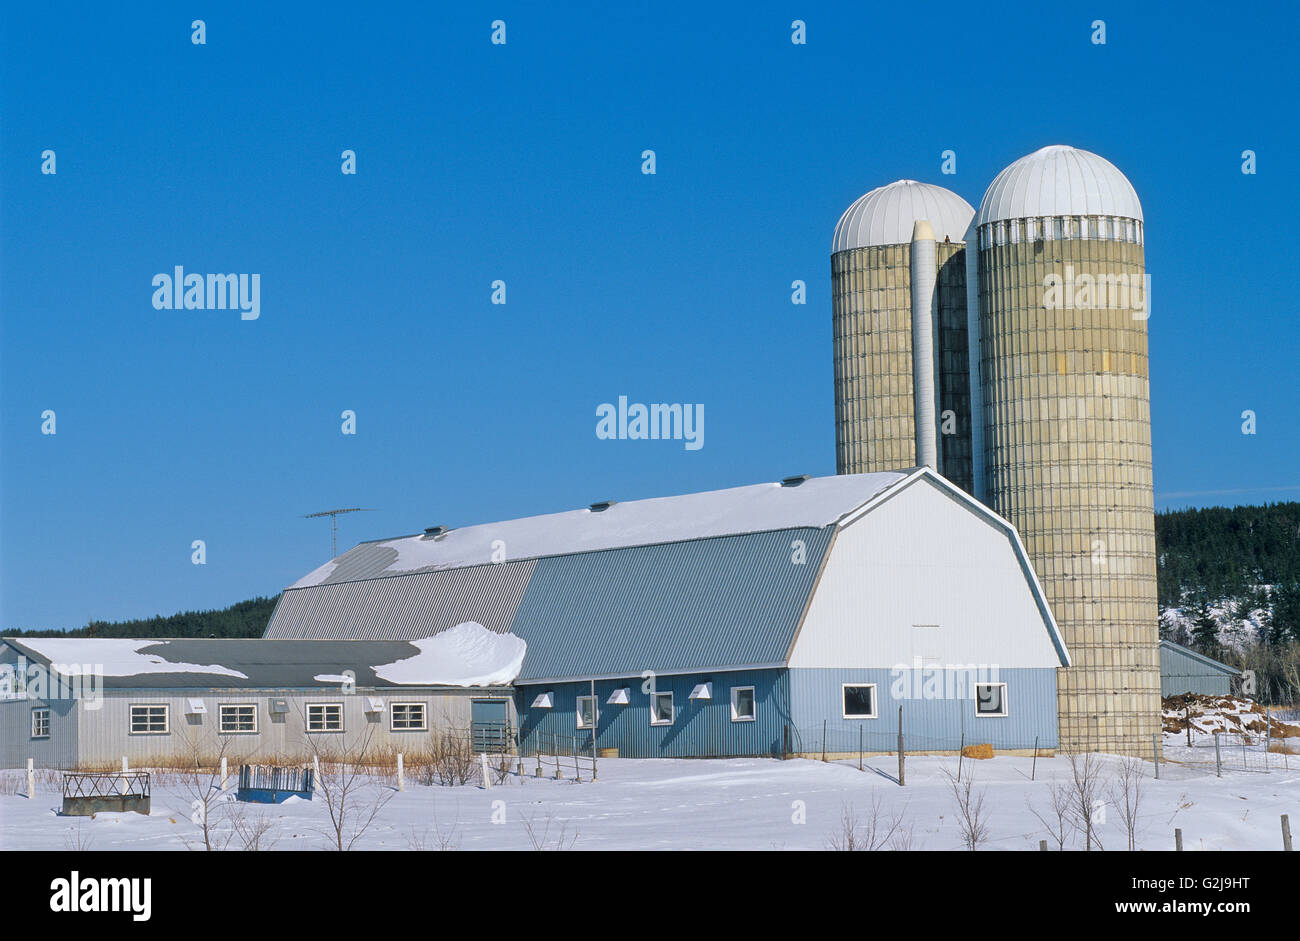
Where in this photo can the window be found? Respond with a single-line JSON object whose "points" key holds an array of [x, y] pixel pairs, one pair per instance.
{"points": [[237, 718], [990, 699], [742, 704], [407, 717], [661, 709], [149, 720], [587, 712], [859, 700], [325, 717], [40, 723]]}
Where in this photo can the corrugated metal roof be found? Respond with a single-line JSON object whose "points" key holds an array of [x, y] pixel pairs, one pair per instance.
{"points": [[405, 607], [817, 502], [264, 664], [711, 603], [1177, 659]]}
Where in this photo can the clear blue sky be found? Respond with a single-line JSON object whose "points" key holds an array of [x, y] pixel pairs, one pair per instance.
{"points": [[478, 162]]}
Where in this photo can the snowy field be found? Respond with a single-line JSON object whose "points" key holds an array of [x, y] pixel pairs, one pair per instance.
{"points": [[736, 804]]}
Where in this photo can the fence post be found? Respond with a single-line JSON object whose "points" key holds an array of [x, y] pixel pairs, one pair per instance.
{"points": [[1178, 839], [859, 747], [577, 772], [223, 772], [555, 752], [31, 780], [1042, 845], [1187, 718], [1286, 834], [315, 767], [1033, 771], [1218, 757], [121, 782], [1268, 733], [1155, 752], [823, 739], [900, 746], [961, 753], [487, 776], [401, 776]]}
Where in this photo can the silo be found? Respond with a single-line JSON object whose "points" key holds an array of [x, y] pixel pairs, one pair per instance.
{"points": [[1066, 433], [874, 306]]}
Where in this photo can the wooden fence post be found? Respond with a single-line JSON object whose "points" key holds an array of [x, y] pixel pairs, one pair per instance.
{"points": [[1155, 752], [1042, 845], [401, 773], [31, 780], [900, 746], [1178, 839], [223, 772], [1286, 834]]}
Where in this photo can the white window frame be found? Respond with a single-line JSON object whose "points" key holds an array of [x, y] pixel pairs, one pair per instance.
{"points": [[671, 705], [975, 700], [322, 706], [238, 707], [753, 701], [44, 713], [166, 718], [405, 707], [875, 702], [595, 711]]}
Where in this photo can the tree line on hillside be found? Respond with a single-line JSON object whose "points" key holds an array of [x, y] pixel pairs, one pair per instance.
{"points": [[243, 619]]}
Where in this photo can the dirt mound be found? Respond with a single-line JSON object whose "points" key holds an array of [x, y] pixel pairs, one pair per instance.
{"points": [[1210, 714]]}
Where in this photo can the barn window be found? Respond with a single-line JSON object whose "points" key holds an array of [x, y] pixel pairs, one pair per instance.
{"points": [[990, 699], [859, 700], [237, 718], [742, 704], [40, 723], [407, 717], [149, 720], [661, 709], [587, 712], [325, 717]]}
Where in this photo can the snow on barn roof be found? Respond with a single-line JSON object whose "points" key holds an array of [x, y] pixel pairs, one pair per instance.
{"points": [[467, 655], [813, 502]]}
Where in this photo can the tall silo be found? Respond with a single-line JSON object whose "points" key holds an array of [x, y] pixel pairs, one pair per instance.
{"points": [[1066, 435], [877, 304]]}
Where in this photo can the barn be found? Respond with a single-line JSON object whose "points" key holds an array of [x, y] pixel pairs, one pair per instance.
{"points": [[803, 616], [85, 702], [1183, 670]]}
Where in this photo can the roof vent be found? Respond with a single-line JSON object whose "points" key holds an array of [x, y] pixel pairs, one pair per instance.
{"points": [[602, 506], [795, 481], [433, 532]]}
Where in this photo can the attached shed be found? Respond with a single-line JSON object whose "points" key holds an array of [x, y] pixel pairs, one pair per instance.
{"points": [[793, 617], [1183, 670], [75, 702]]}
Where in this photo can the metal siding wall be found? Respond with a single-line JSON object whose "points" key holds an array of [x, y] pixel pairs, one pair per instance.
{"points": [[699, 730], [17, 745], [403, 607], [928, 724], [1180, 673], [924, 557], [711, 602], [104, 737]]}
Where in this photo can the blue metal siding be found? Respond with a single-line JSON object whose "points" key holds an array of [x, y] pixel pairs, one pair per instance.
{"points": [[1183, 672], [700, 729], [929, 724], [727, 601]]}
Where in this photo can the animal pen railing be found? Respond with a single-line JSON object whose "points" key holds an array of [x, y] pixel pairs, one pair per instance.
{"points": [[90, 792], [559, 756]]}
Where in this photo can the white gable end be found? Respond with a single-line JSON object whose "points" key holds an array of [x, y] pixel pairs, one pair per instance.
{"points": [[924, 578]]}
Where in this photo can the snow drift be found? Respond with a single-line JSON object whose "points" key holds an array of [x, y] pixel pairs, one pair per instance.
{"points": [[466, 655]]}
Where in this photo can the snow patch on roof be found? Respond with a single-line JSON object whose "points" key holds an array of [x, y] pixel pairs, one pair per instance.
{"points": [[817, 502], [466, 655], [81, 656]]}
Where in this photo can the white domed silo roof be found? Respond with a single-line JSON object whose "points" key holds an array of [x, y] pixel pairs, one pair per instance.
{"points": [[1059, 181], [885, 216]]}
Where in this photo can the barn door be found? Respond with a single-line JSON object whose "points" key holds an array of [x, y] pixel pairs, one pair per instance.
{"points": [[490, 724]]}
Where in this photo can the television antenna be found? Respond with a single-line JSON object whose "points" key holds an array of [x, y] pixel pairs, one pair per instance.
{"points": [[334, 523]]}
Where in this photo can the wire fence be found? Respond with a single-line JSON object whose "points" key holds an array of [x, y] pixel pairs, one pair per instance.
{"points": [[1227, 752]]}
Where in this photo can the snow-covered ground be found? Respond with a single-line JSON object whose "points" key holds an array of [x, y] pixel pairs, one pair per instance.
{"points": [[739, 804]]}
